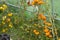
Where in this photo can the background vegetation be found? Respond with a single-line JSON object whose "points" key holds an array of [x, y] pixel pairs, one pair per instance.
{"points": [[24, 21]]}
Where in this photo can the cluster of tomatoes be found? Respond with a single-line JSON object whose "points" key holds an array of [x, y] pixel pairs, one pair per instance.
{"points": [[36, 32], [3, 7], [48, 32], [46, 25], [37, 2], [5, 18], [34, 2], [41, 16]]}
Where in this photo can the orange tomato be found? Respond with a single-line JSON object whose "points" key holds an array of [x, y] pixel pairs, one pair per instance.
{"points": [[50, 36], [40, 2], [47, 34], [42, 16], [39, 16], [46, 30], [37, 33], [36, 0], [33, 3], [34, 30], [49, 24]]}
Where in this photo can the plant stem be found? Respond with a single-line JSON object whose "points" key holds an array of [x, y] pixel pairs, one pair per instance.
{"points": [[53, 25]]}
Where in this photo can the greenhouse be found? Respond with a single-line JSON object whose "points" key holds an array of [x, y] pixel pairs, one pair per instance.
{"points": [[29, 20]]}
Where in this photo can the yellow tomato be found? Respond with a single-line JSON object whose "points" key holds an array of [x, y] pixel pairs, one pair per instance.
{"points": [[4, 6], [8, 19], [3, 30], [3, 22], [1, 8], [58, 38], [4, 17], [10, 25], [35, 24], [10, 14], [6, 28]]}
